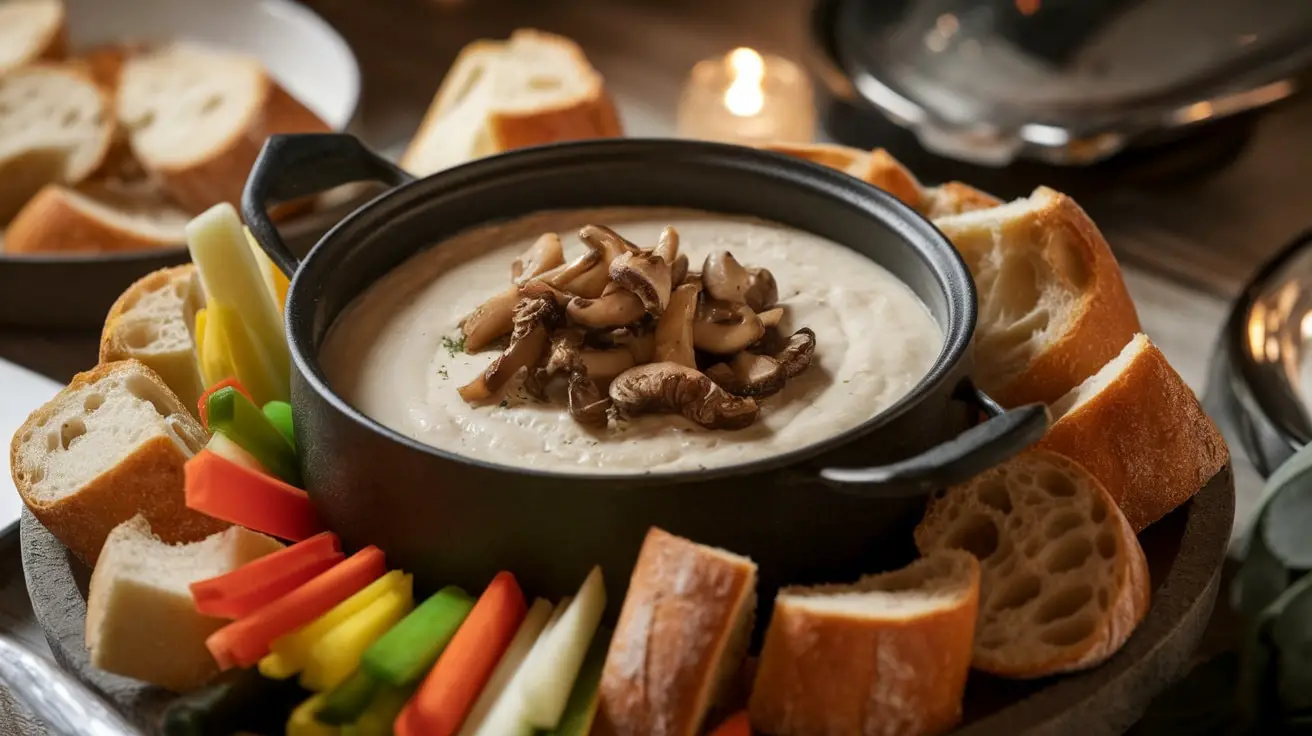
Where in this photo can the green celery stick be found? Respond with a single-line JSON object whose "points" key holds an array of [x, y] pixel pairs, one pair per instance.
{"points": [[279, 414], [378, 718], [348, 700], [242, 422], [581, 708], [404, 654]]}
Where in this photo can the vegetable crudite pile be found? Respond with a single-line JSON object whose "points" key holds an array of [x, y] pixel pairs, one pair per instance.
{"points": [[632, 331]]}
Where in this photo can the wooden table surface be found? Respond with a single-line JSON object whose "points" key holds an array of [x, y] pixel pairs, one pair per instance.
{"points": [[1186, 243]]}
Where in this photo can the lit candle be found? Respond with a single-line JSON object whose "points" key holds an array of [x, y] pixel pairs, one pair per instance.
{"points": [[744, 97]]}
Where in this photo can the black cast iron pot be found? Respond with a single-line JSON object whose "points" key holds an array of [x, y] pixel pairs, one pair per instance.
{"points": [[830, 512]]}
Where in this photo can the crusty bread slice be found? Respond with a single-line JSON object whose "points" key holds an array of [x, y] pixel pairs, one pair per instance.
{"points": [[887, 656], [955, 198], [1141, 431], [532, 89], [96, 218], [876, 167], [56, 125], [152, 321], [109, 446], [31, 31], [197, 118], [681, 637], [1053, 307], [1063, 579], [141, 619]]}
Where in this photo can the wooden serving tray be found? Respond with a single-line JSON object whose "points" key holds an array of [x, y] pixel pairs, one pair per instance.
{"points": [[1185, 553]]}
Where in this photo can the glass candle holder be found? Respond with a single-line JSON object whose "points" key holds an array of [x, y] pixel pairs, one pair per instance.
{"points": [[747, 98]]}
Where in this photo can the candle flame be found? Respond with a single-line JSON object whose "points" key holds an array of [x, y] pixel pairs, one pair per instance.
{"points": [[745, 97]]}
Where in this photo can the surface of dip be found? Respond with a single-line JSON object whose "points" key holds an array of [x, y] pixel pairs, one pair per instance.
{"points": [[394, 353]]}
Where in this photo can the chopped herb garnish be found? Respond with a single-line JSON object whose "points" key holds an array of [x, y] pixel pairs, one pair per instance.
{"points": [[453, 346], [504, 403], [442, 372]]}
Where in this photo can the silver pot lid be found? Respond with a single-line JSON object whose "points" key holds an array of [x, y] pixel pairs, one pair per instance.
{"points": [[1067, 81]]}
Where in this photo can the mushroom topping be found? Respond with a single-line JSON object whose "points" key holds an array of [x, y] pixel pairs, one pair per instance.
{"points": [[642, 347], [668, 246], [749, 374], [721, 329], [644, 274], [609, 243], [535, 316], [725, 279], [796, 355], [490, 320], [587, 404], [679, 270], [674, 331], [615, 307], [603, 365], [545, 255], [762, 291], [669, 388], [771, 317]]}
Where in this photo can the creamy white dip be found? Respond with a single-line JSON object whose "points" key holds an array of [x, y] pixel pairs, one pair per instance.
{"points": [[391, 353]]}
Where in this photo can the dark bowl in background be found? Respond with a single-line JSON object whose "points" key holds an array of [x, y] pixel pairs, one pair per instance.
{"points": [[818, 514]]}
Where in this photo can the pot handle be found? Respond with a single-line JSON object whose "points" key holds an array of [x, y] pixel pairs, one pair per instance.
{"points": [[293, 166], [996, 439]]}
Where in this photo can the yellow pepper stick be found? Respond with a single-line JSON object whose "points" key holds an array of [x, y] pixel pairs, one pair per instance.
{"points": [[337, 654], [242, 354], [231, 276], [290, 652], [215, 363], [303, 722], [274, 278]]}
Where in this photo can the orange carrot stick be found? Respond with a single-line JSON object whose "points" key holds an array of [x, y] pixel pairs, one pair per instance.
{"points": [[244, 642], [204, 404], [738, 724], [449, 691], [262, 581], [220, 488]]}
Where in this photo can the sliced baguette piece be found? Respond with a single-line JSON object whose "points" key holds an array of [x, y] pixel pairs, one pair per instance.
{"points": [[876, 167], [56, 126], [31, 31], [1053, 304], [1063, 580], [886, 656], [152, 321], [681, 637], [197, 118], [96, 218], [141, 619], [955, 198], [532, 89], [109, 446], [1141, 431]]}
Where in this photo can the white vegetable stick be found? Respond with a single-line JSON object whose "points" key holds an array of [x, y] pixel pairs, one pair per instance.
{"points": [[231, 275], [525, 637], [220, 445], [552, 667], [506, 716]]}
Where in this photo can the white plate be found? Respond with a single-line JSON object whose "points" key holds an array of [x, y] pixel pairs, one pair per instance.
{"points": [[310, 59], [21, 391]]}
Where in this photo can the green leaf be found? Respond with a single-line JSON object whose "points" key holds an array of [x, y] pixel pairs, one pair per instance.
{"points": [[1261, 579], [1285, 515]]}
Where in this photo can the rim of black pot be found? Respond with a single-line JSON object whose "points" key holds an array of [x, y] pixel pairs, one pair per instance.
{"points": [[926, 241]]}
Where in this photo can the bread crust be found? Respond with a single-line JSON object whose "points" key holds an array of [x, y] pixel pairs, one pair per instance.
{"points": [[1145, 436], [954, 198], [591, 114], [834, 673], [221, 176], [51, 222], [1126, 606], [687, 604], [877, 167], [149, 482], [1101, 323]]}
